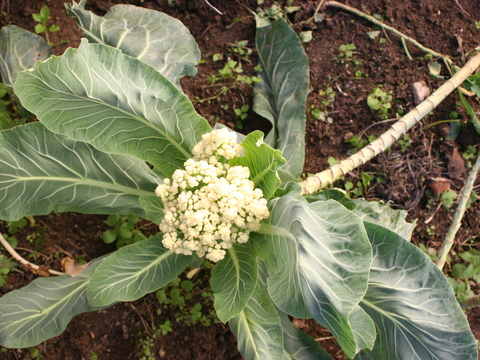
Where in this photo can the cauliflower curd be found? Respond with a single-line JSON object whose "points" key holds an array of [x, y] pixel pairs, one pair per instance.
{"points": [[210, 205]]}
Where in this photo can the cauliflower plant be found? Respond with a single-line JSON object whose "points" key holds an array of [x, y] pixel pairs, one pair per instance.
{"points": [[210, 205]]}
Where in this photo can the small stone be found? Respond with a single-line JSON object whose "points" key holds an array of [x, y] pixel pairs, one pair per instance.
{"points": [[420, 91]]}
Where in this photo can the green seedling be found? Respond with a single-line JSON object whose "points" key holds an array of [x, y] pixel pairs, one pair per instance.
{"points": [[463, 273], [360, 187], [175, 297], [448, 197], [320, 113], [469, 154], [9, 111], [35, 354], [5, 266], [380, 101], [346, 51], [430, 230], [240, 49], [477, 24], [404, 143], [124, 232], [231, 67], [242, 114], [358, 142], [43, 17]]}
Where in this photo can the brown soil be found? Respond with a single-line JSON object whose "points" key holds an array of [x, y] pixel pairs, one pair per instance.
{"points": [[445, 26]]}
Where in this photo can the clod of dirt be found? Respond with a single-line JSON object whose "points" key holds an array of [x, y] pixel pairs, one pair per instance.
{"points": [[456, 165], [420, 91]]}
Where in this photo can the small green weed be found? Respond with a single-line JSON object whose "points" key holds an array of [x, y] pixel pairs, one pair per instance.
{"points": [[430, 230], [463, 272], [124, 232], [380, 101], [43, 17], [242, 114], [357, 142], [346, 51], [469, 154], [176, 297], [146, 344], [327, 97], [477, 24], [9, 112], [404, 143], [35, 354], [448, 197], [240, 48]]}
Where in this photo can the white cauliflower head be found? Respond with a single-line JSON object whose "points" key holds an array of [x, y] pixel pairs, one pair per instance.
{"points": [[210, 205]]}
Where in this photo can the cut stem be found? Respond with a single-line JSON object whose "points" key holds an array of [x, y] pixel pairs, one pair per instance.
{"points": [[329, 176], [21, 260], [457, 219]]}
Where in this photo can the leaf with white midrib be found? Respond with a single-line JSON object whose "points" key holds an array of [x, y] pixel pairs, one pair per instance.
{"points": [[41, 172], [318, 257], [117, 103], [135, 270], [258, 329], [233, 281], [281, 96], [148, 35], [43, 309], [412, 305]]}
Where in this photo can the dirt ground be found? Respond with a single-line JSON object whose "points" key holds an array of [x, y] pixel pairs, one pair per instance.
{"points": [[338, 90]]}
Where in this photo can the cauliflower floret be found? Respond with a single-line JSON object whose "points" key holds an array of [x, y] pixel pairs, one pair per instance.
{"points": [[210, 205]]}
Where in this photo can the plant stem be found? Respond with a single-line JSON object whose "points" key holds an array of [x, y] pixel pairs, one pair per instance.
{"points": [[386, 27], [329, 176], [21, 260], [457, 219]]}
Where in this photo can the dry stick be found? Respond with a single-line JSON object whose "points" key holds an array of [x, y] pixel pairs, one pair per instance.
{"points": [[21, 260], [322, 179], [382, 25], [457, 219]]}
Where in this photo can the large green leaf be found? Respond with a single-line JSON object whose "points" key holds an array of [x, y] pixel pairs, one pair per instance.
{"points": [[19, 50], [135, 270], [117, 103], [43, 308], [258, 329], [41, 172], [376, 212], [233, 281], [282, 94], [263, 162], [148, 35], [318, 257], [412, 304]]}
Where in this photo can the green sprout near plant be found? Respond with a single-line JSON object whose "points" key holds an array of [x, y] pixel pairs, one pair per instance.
{"points": [[242, 113], [346, 51], [448, 198], [380, 101], [43, 17], [125, 231], [404, 143], [240, 48]]}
